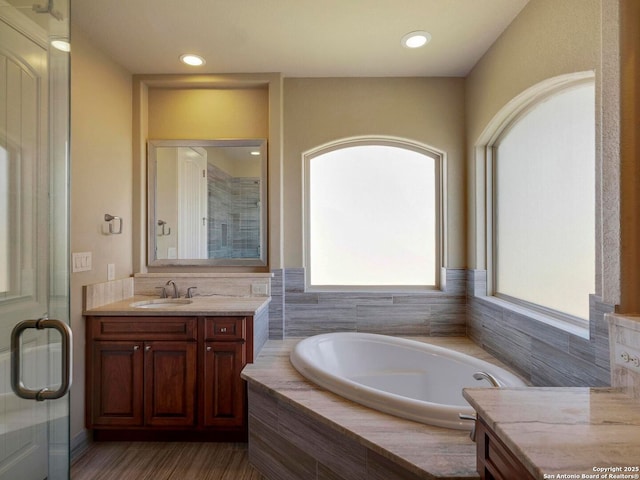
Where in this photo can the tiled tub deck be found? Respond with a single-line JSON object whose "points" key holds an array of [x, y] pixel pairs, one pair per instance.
{"points": [[300, 431]]}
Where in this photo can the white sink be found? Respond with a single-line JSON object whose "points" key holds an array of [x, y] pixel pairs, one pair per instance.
{"points": [[162, 303]]}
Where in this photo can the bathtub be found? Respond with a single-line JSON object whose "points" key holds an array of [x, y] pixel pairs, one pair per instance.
{"points": [[406, 378]]}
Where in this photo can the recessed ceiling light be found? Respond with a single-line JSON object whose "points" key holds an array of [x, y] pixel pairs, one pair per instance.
{"points": [[191, 59], [61, 45], [416, 39], [255, 153]]}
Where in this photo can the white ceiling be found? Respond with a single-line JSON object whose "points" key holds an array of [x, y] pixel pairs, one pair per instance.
{"points": [[299, 38]]}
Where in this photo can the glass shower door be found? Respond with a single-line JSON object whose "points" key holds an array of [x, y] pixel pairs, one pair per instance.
{"points": [[34, 286]]}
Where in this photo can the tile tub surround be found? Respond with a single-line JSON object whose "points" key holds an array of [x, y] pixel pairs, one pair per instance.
{"points": [[299, 430], [276, 307], [625, 330], [543, 354], [297, 313], [567, 431]]}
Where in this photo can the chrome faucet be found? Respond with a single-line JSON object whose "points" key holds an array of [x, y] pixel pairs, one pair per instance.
{"points": [[175, 288], [490, 378]]}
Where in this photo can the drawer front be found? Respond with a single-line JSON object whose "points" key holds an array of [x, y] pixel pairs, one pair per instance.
{"points": [[145, 328], [225, 328]]}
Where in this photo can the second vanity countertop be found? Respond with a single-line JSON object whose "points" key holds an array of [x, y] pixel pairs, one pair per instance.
{"points": [[565, 432], [199, 306]]}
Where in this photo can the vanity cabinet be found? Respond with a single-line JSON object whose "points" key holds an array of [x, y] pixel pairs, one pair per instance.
{"points": [[224, 391], [494, 459], [142, 373], [146, 375]]}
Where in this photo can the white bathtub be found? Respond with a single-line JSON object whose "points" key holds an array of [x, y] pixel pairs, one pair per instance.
{"points": [[406, 378]]}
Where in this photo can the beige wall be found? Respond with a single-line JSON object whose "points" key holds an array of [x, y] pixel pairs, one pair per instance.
{"points": [[101, 174], [321, 110], [548, 38], [208, 113]]}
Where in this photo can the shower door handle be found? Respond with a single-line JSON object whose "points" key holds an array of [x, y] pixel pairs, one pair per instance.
{"points": [[16, 372]]}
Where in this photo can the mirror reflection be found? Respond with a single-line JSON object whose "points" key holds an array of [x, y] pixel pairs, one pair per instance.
{"points": [[207, 202]]}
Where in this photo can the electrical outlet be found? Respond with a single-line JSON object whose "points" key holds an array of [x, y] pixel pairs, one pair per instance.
{"points": [[111, 271], [81, 262], [627, 357]]}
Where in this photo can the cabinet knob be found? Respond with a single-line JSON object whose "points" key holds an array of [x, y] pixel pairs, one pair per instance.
{"points": [[223, 330], [209, 349], [136, 347], [147, 348]]}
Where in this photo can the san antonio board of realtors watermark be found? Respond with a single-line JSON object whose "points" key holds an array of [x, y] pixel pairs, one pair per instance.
{"points": [[600, 473]]}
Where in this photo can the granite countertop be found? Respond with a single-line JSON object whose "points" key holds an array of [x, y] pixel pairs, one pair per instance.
{"points": [[565, 432], [200, 305]]}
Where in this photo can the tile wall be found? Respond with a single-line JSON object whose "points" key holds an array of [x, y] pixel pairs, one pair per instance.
{"points": [[245, 232], [543, 354], [296, 313], [234, 215], [276, 306]]}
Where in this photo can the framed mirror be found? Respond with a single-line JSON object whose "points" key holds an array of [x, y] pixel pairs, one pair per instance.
{"points": [[207, 202]]}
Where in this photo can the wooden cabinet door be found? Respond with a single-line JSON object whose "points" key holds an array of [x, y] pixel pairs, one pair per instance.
{"points": [[494, 459], [170, 383], [224, 390], [116, 385]]}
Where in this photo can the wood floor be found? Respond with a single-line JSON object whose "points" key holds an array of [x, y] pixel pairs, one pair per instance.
{"points": [[164, 461]]}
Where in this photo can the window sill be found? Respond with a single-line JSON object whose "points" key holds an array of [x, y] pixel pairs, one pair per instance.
{"points": [[577, 330], [400, 289]]}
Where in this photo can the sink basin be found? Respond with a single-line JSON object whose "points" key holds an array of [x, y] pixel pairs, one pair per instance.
{"points": [[162, 303]]}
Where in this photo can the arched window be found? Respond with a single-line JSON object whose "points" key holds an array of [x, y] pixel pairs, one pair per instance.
{"points": [[372, 215], [544, 204]]}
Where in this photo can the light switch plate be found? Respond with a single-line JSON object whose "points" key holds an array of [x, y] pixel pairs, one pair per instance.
{"points": [[81, 261], [111, 271]]}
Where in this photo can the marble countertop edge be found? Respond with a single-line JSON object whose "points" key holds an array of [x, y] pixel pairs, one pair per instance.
{"points": [[570, 430], [200, 306]]}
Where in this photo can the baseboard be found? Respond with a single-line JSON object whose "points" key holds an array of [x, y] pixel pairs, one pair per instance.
{"points": [[79, 444]]}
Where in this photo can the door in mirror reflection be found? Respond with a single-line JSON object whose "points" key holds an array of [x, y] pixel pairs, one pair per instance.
{"points": [[182, 184]]}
